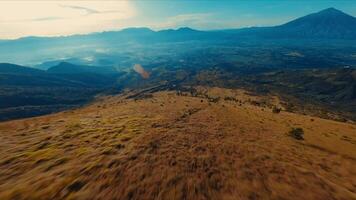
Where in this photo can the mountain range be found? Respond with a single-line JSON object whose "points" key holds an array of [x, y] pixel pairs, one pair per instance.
{"points": [[329, 23], [322, 26], [326, 24]]}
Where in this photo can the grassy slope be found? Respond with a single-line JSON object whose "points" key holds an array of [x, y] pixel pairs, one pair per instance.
{"points": [[177, 147]]}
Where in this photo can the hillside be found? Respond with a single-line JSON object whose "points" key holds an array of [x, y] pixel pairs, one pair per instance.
{"points": [[69, 68], [28, 92], [8, 68], [207, 143]]}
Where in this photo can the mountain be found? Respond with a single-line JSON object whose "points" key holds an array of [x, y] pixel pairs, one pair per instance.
{"points": [[48, 64], [27, 92], [21, 76], [137, 31], [69, 68], [183, 34], [8, 68], [116, 47], [328, 23]]}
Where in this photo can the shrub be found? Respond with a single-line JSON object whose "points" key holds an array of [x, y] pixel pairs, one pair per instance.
{"points": [[297, 133], [275, 109]]}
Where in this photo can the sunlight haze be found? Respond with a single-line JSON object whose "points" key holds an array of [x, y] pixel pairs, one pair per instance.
{"points": [[58, 18]]}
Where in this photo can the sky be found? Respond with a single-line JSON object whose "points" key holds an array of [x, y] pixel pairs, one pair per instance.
{"points": [[67, 17]]}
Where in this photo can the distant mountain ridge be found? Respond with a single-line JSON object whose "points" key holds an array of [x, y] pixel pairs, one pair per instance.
{"points": [[326, 24], [69, 68], [8, 68], [323, 26]]}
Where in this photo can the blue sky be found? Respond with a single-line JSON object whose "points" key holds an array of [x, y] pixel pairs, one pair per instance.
{"points": [[209, 14], [66, 17]]}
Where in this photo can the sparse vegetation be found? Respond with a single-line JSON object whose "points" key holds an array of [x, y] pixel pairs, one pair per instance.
{"points": [[275, 109], [297, 133], [231, 99], [183, 144]]}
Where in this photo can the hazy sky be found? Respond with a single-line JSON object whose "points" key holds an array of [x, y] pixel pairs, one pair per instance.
{"points": [[50, 18]]}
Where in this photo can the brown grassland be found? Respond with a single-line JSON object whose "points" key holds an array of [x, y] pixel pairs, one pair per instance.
{"points": [[172, 145]]}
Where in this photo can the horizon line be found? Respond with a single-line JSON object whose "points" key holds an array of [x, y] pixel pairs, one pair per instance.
{"points": [[163, 29]]}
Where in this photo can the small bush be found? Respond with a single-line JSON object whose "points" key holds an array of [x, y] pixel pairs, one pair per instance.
{"points": [[297, 133], [275, 109]]}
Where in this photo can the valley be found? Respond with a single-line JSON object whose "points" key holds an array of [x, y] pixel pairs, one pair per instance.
{"points": [[309, 61]]}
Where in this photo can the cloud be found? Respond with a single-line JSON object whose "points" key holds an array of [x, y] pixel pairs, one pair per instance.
{"points": [[46, 19], [54, 18], [190, 17], [87, 10], [216, 20], [195, 20], [209, 21]]}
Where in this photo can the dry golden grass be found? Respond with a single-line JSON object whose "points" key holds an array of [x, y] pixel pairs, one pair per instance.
{"points": [[177, 147]]}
